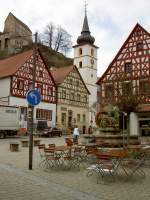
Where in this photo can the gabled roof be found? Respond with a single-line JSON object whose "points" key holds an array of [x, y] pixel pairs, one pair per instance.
{"points": [[19, 21], [10, 65], [110, 65], [60, 74]]}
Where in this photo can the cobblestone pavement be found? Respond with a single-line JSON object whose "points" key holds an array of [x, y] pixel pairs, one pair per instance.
{"points": [[19, 183]]}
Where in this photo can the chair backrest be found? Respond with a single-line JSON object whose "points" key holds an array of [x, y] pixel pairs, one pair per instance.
{"points": [[49, 151], [51, 145], [69, 142], [41, 148]]}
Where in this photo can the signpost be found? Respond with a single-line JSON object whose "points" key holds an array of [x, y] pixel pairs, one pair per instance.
{"points": [[33, 97]]}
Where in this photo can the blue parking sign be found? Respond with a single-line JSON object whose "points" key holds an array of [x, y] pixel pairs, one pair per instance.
{"points": [[33, 97]]}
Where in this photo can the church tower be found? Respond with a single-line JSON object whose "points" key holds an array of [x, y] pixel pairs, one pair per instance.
{"points": [[85, 58]]}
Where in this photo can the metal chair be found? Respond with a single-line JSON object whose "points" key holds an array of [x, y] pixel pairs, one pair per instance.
{"points": [[41, 148]]}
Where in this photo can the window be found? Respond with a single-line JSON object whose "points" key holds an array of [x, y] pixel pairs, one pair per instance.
{"points": [[50, 91], [78, 117], [80, 51], [71, 96], [30, 85], [31, 70], [6, 42], [85, 99], [41, 73], [39, 88], [91, 75], [145, 87], [92, 62], [139, 46], [23, 113], [109, 91], [63, 118], [71, 81], [20, 84], [128, 67], [127, 88], [84, 118], [138, 33], [80, 64], [77, 82], [42, 114], [64, 94], [78, 97], [92, 52]]}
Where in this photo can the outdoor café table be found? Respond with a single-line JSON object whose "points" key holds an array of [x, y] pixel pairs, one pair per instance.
{"points": [[14, 146], [36, 142], [24, 143], [115, 156]]}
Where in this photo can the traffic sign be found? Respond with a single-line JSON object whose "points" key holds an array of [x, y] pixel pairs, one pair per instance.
{"points": [[33, 97]]}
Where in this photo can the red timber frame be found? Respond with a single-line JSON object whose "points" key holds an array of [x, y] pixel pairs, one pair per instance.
{"points": [[21, 81], [131, 67]]}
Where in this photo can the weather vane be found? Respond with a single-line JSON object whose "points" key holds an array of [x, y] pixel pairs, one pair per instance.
{"points": [[85, 7]]}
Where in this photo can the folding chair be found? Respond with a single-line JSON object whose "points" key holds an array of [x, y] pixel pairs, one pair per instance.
{"points": [[133, 167], [41, 148], [105, 167], [52, 159]]}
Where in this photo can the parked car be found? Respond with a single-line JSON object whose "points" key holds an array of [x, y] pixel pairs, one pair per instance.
{"points": [[44, 130], [52, 132]]}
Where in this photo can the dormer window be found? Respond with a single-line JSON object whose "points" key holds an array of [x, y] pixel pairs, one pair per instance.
{"points": [[80, 64], [80, 51], [128, 67], [139, 46]]}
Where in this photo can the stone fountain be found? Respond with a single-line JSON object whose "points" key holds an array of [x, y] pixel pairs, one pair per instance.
{"points": [[107, 132]]}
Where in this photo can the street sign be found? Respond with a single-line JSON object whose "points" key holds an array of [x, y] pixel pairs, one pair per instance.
{"points": [[33, 97]]}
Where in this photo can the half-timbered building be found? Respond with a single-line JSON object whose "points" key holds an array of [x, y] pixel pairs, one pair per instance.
{"points": [[16, 76], [130, 71], [72, 98]]}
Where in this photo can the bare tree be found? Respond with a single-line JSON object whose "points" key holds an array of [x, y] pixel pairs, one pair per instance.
{"points": [[49, 34], [57, 38]]}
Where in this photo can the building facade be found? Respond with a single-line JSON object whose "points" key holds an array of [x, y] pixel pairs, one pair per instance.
{"points": [[72, 99], [16, 76], [85, 58], [15, 35], [129, 74]]}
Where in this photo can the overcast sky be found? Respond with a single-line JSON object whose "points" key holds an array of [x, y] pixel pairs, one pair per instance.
{"points": [[110, 21]]}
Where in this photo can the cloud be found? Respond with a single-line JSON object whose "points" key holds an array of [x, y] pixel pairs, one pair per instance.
{"points": [[110, 21]]}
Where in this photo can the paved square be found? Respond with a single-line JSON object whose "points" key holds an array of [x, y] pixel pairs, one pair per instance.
{"points": [[19, 183]]}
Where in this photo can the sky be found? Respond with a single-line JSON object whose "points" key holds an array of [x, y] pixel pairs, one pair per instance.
{"points": [[110, 21]]}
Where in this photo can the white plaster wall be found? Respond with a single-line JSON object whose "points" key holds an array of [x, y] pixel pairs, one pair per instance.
{"points": [[4, 87], [23, 102], [134, 124]]}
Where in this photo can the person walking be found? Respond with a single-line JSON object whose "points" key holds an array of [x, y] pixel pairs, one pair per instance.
{"points": [[76, 134]]}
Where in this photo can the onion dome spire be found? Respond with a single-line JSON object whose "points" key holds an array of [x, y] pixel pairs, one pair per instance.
{"points": [[85, 36]]}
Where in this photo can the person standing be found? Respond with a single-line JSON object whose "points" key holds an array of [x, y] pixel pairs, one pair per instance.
{"points": [[76, 134]]}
